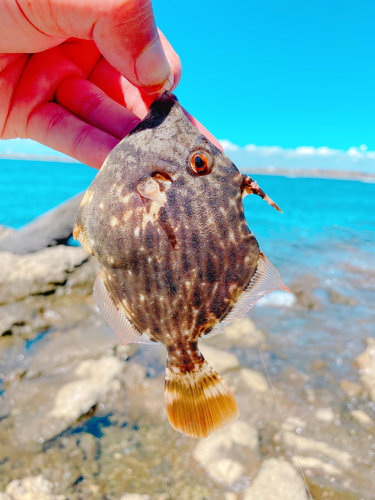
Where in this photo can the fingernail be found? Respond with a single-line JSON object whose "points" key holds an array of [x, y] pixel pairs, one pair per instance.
{"points": [[152, 67]]}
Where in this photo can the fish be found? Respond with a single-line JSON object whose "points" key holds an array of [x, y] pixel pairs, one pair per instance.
{"points": [[164, 217]]}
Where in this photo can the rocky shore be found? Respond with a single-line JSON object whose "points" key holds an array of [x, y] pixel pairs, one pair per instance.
{"points": [[82, 417]]}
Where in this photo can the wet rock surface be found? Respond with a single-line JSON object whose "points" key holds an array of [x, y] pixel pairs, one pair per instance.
{"points": [[52, 228], [82, 417]]}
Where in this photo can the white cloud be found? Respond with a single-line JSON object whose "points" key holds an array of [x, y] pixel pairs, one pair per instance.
{"points": [[356, 159], [229, 146]]}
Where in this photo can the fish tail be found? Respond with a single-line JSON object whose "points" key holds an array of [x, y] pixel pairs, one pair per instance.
{"points": [[198, 401]]}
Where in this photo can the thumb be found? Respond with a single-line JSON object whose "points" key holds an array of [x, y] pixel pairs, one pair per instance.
{"points": [[127, 37]]}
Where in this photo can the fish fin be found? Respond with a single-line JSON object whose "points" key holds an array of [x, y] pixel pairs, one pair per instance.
{"points": [[80, 235], [219, 328], [265, 280], [249, 186], [150, 189], [119, 323], [198, 402]]}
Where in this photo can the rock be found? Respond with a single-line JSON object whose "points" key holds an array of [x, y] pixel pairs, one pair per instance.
{"points": [[276, 480], [88, 445], [4, 233], [52, 228], [325, 414], [303, 288], [338, 298], [316, 464], [219, 444], [8, 317], [220, 360], [77, 398], [134, 496], [37, 273], [216, 445], [4, 496], [294, 423], [366, 364], [352, 389], [253, 380], [362, 418], [32, 488], [278, 299], [242, 332], [227, 496], [225, 471], [302, 444]]}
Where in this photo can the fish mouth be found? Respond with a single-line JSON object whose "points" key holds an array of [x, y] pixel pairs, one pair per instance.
{"points": [[155, 188]]}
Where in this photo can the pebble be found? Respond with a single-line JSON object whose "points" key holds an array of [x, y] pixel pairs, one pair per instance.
{"points": [[362, 418], [218, 359], [134, 496], [77, 398], [225, 471], [212, 453], [32, 488], [243, 332], [276, 480], [278, 299], [325, 414], [352, 389], [316, 464], [302, 444], [253, 380], [219, 444], [366, 363]]}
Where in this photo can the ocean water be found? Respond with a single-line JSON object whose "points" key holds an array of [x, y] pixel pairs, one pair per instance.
{"points": [[325, 238]]}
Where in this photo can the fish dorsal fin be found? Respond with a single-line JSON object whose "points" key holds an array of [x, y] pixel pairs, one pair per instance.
{"points": [[119, 323], [265, 280]]}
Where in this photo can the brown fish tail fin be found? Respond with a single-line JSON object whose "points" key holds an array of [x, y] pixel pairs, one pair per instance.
{"points": [[198, 402]]}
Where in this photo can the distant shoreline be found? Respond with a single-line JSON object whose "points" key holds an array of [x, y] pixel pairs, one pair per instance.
{"points": [[313, 173], [284, 172]]}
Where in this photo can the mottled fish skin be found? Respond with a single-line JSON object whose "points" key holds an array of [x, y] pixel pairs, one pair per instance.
{"points": [[177, 273], [174, 260]]}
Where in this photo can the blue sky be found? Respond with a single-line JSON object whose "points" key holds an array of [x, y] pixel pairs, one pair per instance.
{"points": [[294, 81], [277, 72]]}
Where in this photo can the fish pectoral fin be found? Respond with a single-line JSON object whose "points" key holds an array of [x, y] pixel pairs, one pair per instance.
{"points": [[119, 323], [80, 235], [265, 280], [150, 188], [249, 186], [198, 402]]}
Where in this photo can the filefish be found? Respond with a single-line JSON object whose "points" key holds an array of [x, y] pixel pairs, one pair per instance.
{"points": [[165, 219]]}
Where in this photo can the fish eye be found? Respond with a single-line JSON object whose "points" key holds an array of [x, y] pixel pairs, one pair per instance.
{"points": [[201, 162]]}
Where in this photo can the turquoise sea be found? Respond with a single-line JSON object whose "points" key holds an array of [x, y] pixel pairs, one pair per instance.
{"points": [[325, 238]]}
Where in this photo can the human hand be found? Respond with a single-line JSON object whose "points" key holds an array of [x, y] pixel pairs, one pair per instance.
{"points": [[79, 76]]}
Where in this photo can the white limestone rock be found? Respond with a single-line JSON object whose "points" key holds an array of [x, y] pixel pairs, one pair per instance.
{"points": [[306, 445], [134, 496], [366, 363], [325, 415], [32, 488], [78, 397], [220, 443], [362, 418], [316, 464], [243, 332], [276, 480], [253, 380], [225, 471], [218, 359]]}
